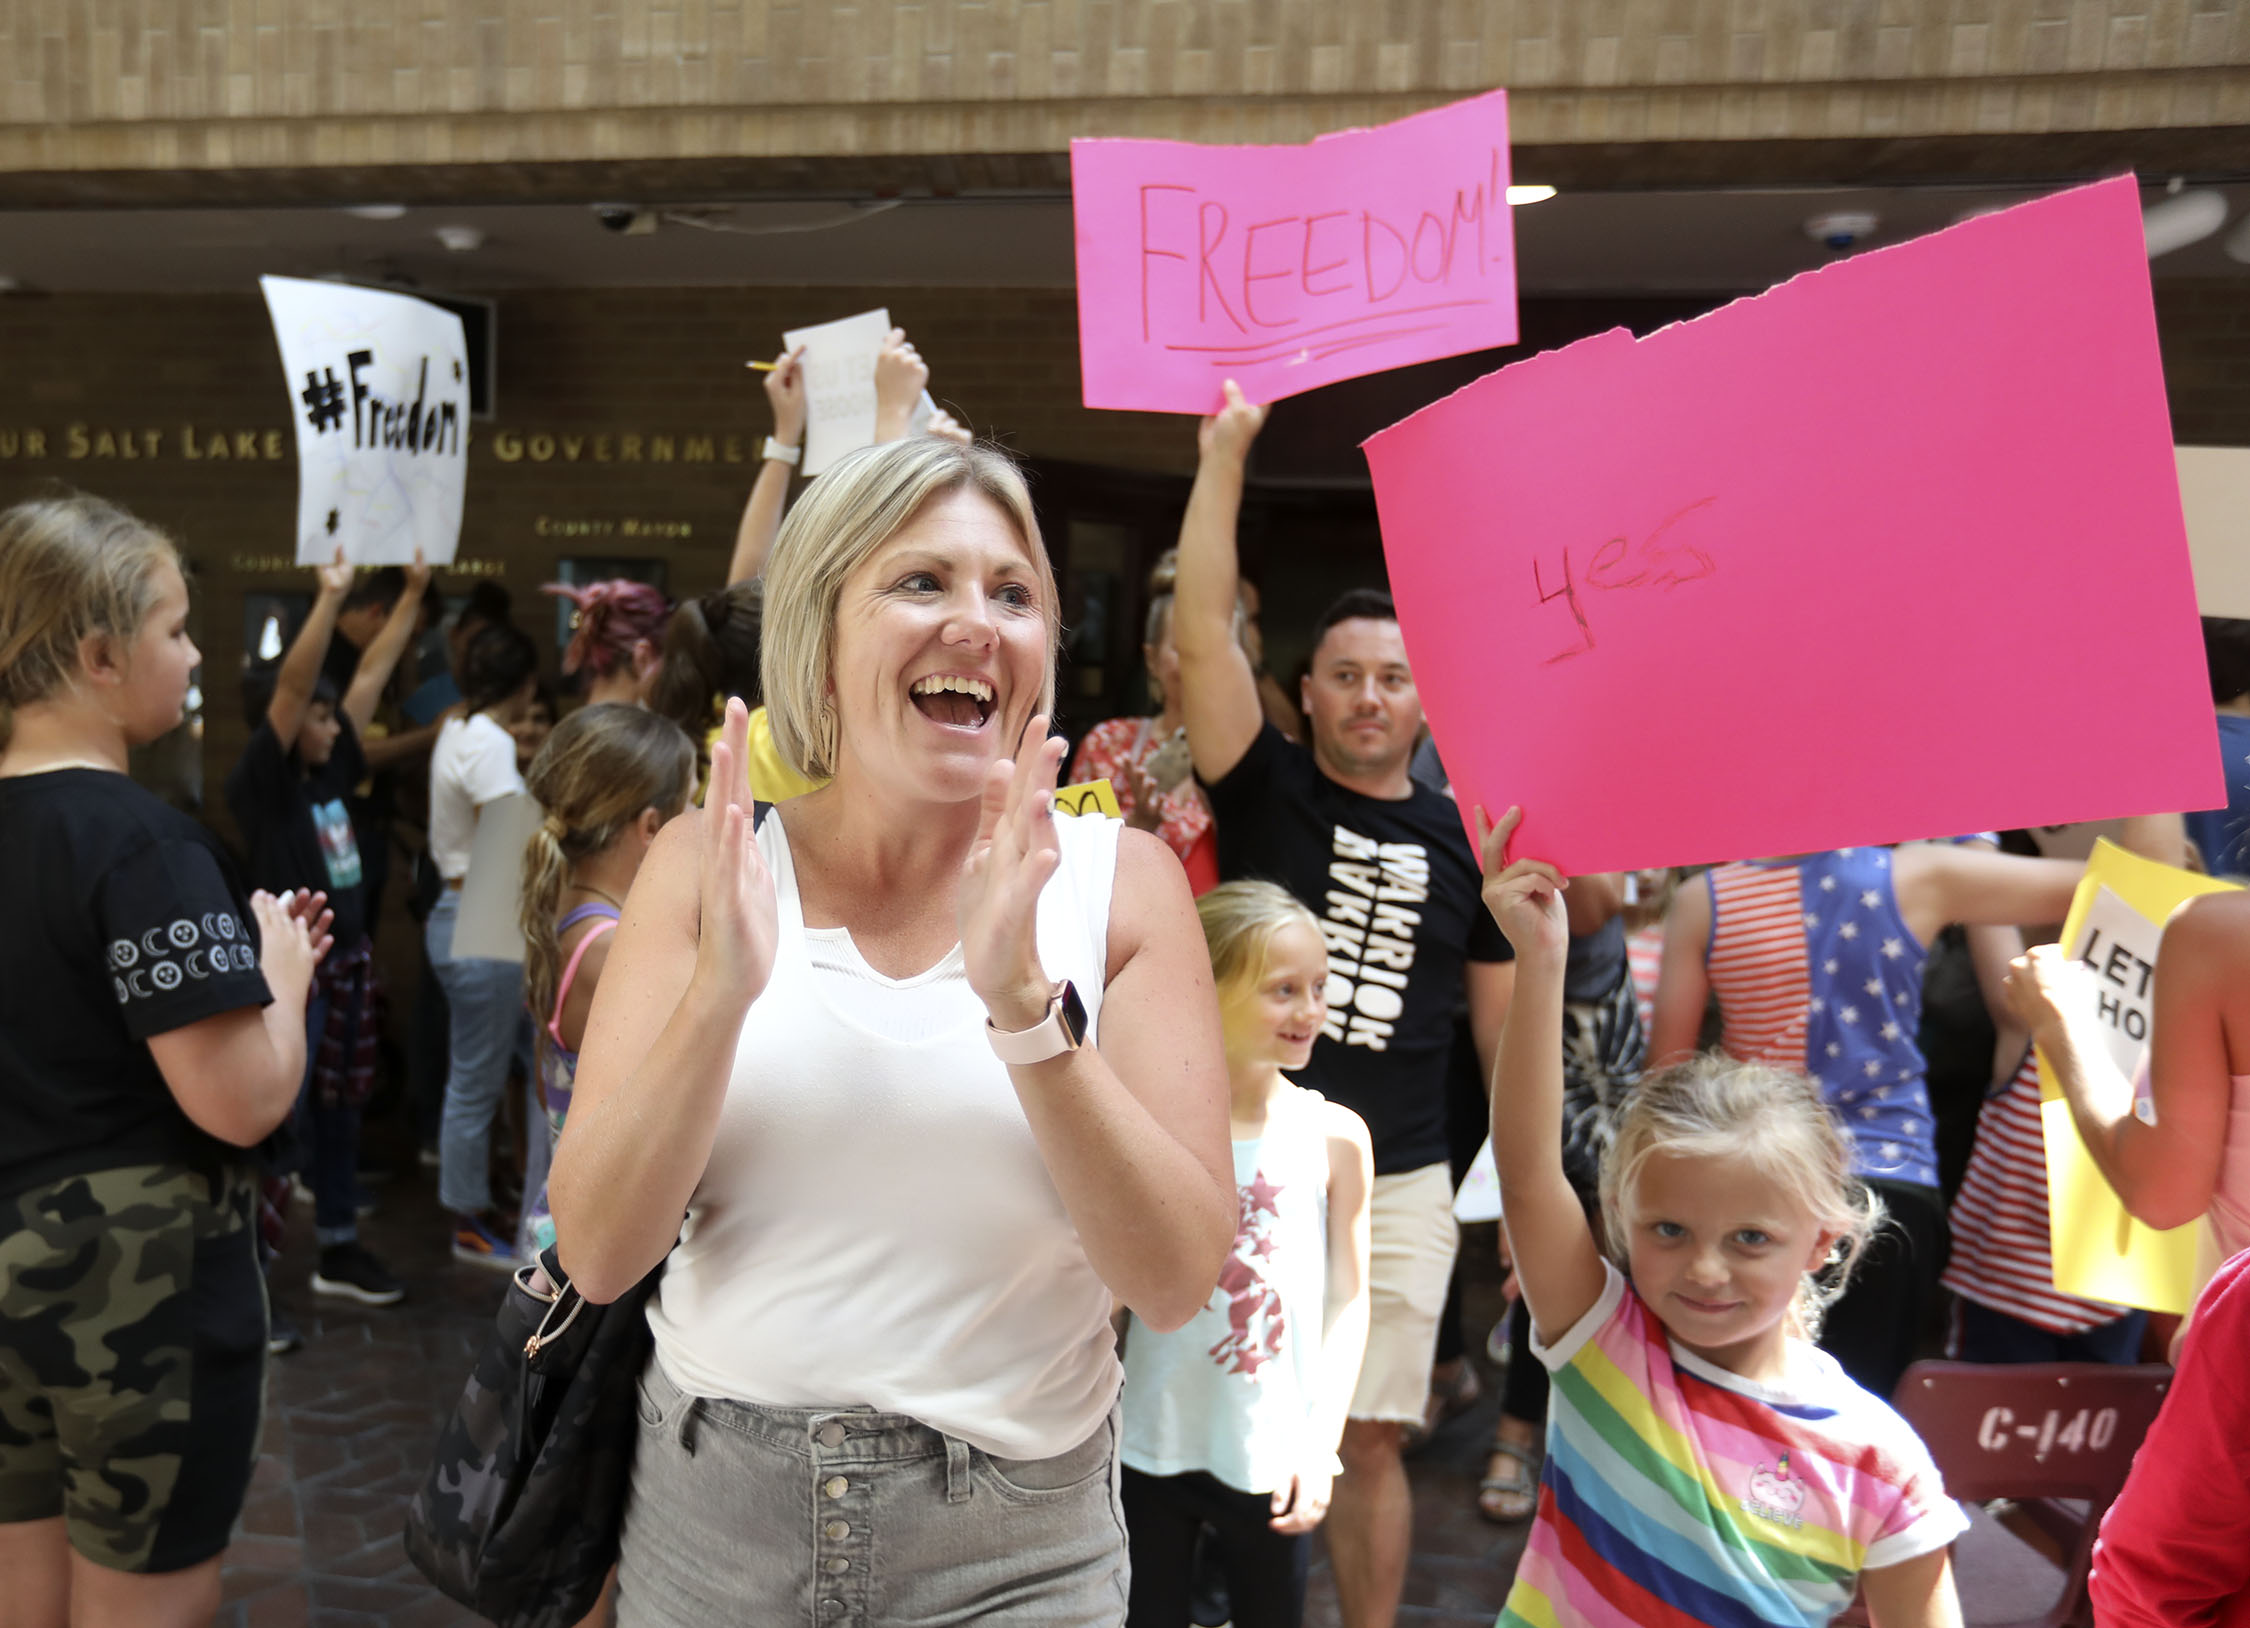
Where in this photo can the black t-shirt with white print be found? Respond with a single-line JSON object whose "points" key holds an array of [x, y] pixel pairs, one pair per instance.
{"points": [[297, 827], [1398, 894], [125, 921]]}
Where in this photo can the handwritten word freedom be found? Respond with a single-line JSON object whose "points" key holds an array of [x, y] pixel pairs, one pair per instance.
{"points": [[1287, 268]]}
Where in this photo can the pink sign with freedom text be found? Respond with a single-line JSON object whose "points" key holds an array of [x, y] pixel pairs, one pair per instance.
{"points": [[1893, 550], [1285, 268]]}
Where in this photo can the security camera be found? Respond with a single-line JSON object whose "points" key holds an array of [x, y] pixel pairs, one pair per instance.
{"points": [[1841, 231], [626, 220]]}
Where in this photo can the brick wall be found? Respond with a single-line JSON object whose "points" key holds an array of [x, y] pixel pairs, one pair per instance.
{"points": [[119, 85], [587, 364]]}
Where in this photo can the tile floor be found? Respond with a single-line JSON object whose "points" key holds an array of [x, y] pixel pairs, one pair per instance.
{"points": [[352, 1416]]}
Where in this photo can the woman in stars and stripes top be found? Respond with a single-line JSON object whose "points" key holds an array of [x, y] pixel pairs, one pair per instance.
{"points": [[1705, 1463], [1817, 965]]}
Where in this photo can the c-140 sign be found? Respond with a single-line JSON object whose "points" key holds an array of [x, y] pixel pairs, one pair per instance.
{"points": [[379, 390], [1285, 268]]}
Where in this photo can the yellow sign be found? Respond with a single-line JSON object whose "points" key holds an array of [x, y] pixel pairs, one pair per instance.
{"points": [[1090, 797], [2100, 1251]]}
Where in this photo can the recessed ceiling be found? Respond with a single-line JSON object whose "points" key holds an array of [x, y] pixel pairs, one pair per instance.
{"points": [[1680, 242]]}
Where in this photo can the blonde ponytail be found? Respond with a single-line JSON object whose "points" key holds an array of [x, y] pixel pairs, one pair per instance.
{"points": [[545, 869]]}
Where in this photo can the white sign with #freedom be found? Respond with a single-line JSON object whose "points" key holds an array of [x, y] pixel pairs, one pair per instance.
{"points": [[379, 391]]}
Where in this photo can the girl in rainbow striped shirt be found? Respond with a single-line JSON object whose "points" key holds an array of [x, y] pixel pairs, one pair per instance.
{"points": [[1706, 1463]]}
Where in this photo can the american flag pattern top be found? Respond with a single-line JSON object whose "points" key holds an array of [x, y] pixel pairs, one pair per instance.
{"points": [[1816, 970]]}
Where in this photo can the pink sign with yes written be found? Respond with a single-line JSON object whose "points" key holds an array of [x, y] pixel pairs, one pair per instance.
{"points": [[1285, 268], [1893, 550]]}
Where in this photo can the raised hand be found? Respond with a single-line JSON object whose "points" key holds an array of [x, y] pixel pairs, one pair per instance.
{"points": [[417, 577], [336, 577], [1525, 897], [740, 922], [1228, 432], [785, 394], [946, 427], [900, 377], [1015, 851]]}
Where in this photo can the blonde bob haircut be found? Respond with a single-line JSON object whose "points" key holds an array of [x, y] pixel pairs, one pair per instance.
{"points": [[852, 510], [1239, 921], [1712, 1106]]}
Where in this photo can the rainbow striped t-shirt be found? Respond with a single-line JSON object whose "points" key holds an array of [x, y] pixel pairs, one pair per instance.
{"points": [[1676, 1493]]}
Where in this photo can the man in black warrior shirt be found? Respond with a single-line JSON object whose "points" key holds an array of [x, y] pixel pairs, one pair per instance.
{"points": [[1385, 865]]}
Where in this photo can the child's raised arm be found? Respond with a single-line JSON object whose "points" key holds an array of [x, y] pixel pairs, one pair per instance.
{"points": [[1557, 1264]]}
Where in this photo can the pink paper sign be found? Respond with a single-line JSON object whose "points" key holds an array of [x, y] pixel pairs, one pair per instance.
{"points": [[1286, 268], [1893, 550]]}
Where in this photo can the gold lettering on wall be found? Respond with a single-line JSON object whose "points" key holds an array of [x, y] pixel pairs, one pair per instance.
{"points": [[550, 525], [281, 565], [206, 443]]}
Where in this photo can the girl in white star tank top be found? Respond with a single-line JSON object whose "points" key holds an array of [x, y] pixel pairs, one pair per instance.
{"points": [[1233, 1421]]}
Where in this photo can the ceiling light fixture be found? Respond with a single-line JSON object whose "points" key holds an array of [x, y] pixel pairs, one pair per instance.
{"points": [[2182, 219], [1519, 196], [461, 239], [376, 211], [1843, 229], [2238, 242]]}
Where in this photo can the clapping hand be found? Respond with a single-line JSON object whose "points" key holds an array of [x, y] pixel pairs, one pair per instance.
{"points": [[740, 922], [292, 937], [312, 909], [1015, 851], [1525, 897]]}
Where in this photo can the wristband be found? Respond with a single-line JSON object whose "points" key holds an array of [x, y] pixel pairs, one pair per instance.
{"points": [[773, 452], [1062, 1030]]}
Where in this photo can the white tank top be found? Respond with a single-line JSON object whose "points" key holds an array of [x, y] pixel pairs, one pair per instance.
{"points": [[876, 1227], [1231, 1392]]}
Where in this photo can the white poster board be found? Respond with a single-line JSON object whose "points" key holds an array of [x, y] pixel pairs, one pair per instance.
{"points": [[379, 392], [489, 925], [839, 366], [2215, 496], [1478, 1198]]}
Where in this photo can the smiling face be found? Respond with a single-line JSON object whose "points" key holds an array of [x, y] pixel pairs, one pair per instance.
{"points": [[940, 651], [1717, 1247], [1360, 696], [157, 663], [1273, 1015]]}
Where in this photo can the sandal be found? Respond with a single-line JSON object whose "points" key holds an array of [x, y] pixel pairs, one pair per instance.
{"points": [[1506, 1499], [1447, 1401]]}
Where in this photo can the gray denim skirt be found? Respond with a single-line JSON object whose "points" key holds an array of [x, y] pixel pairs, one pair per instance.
{"points": [[758, 1516]]}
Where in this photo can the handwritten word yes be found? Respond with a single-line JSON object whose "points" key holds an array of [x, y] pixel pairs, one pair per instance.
{"points": [[1659, 562]]}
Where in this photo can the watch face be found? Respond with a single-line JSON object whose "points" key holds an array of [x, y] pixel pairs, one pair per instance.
{"points": [[1073, 1014]]}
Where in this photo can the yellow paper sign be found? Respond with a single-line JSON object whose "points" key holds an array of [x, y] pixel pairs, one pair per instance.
{"points": [[2100, 1251], [1089, 797]]}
